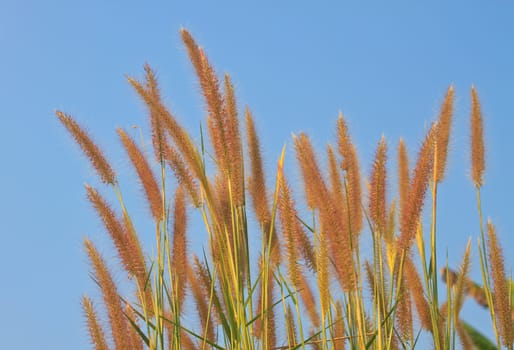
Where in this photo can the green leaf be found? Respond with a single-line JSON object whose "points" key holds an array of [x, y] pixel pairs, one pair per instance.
{"points": [[478, 339]]}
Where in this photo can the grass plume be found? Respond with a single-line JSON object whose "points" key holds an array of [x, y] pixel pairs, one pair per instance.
{"points": [[501, 287], [350, 166], [477, 141], [444, 125], [90, 149], [377, 193], [118, 323], [145, 174], [94, 328], [417, 190]]}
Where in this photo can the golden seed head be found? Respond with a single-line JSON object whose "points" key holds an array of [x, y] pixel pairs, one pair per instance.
{"points": [[158, 137], [288, 219], [96, 332], [201, 295], [179, 250], [182, 173], [417, 190], [111, 297], [92, 151], [350, 165], [377, 193], [316, 190], [115, 228], [145, 174], [308, 299], [501, 288], [256, 181], [413, 281], [477, 141], [444, 125], [403, 175], [404, 312]]}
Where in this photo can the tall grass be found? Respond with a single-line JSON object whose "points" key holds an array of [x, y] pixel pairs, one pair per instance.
{"points": [[309, 284]]}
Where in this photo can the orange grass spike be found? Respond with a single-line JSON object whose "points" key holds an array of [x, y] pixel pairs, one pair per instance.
{"points": [[179, 250], [403, 176], [316, 190], [201, 298], [288, 219], [256, 182], [96, 332], [350, 165], [182, 173], [158, 139], [444, 125], [322, 265], [208, 287], [377, 194], [336, 187], [501, 296], [296, 240], [413, 281], [91, 150], [477, 141], [111, 297], [235, 148], [417, 190], [217, 120], [127, 244], [145, 174], [113, 226], [404, 321]]}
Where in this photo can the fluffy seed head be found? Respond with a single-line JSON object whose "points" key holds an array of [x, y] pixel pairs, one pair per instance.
{"points": [[404, 312], [146, 176], [179, 257], [182, 173], [114, 227], [91, 150], [377, 194], [158, 139], [477, 141], [234, 147], [201, 297], [403, 175], [417, 191], [96, 332], [316, 190], [350, 165], [501, 298], [444, 125], [111, 297], [413, 281], [256, 182], [288, 219]]}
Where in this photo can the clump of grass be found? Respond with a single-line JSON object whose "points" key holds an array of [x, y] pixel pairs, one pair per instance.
{"points": [[309, 284]]}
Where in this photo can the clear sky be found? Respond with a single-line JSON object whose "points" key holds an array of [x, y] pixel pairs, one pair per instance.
{"points": [[386, 65]]}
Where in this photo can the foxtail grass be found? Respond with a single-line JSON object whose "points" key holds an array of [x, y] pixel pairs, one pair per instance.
{"points": [[283, 266]]}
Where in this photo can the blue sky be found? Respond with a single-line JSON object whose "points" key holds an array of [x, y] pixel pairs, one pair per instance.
{"points": [[385, 65]]}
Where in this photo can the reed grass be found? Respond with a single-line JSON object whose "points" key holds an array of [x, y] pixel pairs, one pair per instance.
{"points": [[307, 284]]}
